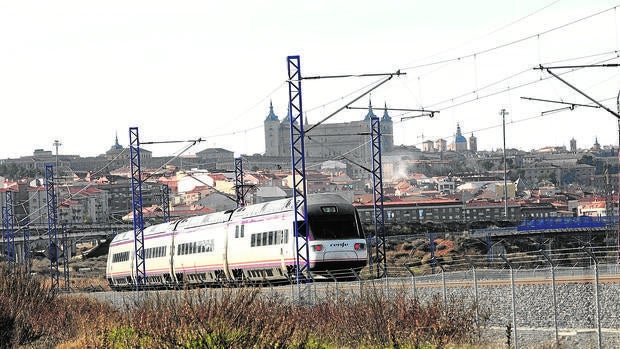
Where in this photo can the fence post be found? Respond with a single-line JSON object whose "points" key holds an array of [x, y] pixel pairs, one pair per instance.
{"points": [[596, 298], [473, 268], [514, 307], [334, 281], [408, 267], [443, 281], [555, 307]]}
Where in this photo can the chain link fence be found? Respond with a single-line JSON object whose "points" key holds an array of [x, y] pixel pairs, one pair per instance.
{"points": [[568, 296]]}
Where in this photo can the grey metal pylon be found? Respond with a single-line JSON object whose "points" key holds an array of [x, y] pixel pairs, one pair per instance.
{"points": [[165, 202], [9, 218], [377, 184], [51, 227], [239, 193]]}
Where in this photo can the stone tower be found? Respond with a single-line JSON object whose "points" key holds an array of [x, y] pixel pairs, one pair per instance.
{"points": [[272, 132]]}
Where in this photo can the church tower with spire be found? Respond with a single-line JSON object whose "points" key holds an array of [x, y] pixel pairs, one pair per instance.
{"points": [[460, 143], [473, 143], [272, 133], [387, 131]]}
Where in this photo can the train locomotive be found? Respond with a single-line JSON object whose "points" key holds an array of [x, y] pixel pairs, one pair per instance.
{"points": [[255, 244]]}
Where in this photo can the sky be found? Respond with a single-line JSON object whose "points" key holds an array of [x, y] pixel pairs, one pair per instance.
{"points": [[82, 72]]}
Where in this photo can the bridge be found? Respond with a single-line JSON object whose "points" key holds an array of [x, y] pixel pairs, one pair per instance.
{"points": [[74, 232], [562, 225]]}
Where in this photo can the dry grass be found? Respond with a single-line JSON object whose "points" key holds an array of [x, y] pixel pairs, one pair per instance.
{"points": [[243, 318]]}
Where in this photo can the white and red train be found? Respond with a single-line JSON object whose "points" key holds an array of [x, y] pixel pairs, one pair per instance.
{"points": [[255, 243]]}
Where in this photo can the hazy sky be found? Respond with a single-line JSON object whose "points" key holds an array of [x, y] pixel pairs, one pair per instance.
{"points": [[83, 71]]}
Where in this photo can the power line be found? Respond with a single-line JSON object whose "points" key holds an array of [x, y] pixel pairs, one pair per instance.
{"points": [[494, 31], [507, 89], [510, 43], [30, 214], [383, 81]]}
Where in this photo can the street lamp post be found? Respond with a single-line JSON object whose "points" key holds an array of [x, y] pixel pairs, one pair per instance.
{"points": [[618, 191], [57, 144], [503, 113]]}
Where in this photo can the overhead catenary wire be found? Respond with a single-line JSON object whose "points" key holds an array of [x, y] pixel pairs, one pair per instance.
{"points": [[510, 43], [181, 152], [379, 84], [477, 91], [495, 30], [507, 89]]}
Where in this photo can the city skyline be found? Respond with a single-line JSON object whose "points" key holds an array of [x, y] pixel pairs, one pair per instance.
{"points": [[81, 72], [420, 147]]}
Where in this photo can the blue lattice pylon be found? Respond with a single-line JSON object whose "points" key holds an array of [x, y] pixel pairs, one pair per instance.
{"points": [[136, 200], [298, 164]]}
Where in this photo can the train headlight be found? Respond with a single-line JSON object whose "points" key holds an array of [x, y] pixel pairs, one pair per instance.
{"points": [[317, 248], [359, 246]]}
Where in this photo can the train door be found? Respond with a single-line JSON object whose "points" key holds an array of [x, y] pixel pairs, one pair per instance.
{"points": [[227, 272], [170, 277], [132, 266], [285, 246]]}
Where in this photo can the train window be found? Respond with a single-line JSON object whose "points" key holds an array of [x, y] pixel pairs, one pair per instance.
{"points": [[241, 231], [264, 239], [329, 209], [236, 231], [340, 226], [253, 241], [286, 236], [270, 238]]}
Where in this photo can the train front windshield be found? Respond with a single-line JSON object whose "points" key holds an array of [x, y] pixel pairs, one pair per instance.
{"points": [[334, 226]]}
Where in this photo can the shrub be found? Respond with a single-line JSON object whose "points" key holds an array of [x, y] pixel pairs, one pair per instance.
{"points": [[239, 318]]}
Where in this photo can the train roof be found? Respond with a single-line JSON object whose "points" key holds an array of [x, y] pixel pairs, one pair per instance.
{"points": [[206, 219], [148, 231], [263, 208], [284, 205], [269, 207]]}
